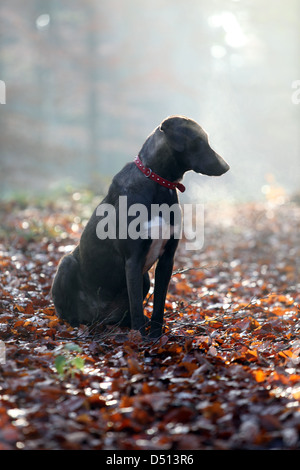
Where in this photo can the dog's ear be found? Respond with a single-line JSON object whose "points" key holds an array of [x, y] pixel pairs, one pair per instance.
{"points": [[175, 131]]}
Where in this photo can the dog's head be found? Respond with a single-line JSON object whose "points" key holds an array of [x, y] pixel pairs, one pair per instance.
{"points": [[190, 142]]}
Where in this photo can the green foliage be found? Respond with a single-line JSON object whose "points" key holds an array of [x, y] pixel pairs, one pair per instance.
{"points": [[66, 363]]}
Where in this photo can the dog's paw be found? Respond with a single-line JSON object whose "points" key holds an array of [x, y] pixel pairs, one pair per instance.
{"points": [[155, 333]]}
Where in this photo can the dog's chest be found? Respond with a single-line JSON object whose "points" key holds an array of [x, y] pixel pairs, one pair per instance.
{"points": [[159, 232]]}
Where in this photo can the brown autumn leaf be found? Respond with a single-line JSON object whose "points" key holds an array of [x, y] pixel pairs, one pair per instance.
{"points": [[224, 375]]}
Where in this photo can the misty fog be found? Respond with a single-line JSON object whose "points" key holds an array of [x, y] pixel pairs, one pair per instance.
{"points": [[86, 82]]}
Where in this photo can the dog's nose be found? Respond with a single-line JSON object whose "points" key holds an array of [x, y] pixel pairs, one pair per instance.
{"points": [[226, 167], [221, 166]]}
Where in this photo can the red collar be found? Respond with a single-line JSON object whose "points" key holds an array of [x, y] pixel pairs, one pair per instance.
{"points": [[158, 179]]}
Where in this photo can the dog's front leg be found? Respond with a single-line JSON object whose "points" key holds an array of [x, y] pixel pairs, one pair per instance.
{"points": [[163, 275], [134, 280]]}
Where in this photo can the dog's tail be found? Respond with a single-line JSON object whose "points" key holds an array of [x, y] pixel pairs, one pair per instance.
{"points": [[65, 290]]}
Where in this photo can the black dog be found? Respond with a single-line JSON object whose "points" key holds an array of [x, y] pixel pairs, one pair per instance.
{"points": [[106, 278]]}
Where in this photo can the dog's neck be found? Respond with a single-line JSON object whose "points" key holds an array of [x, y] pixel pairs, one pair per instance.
{"points": [[156, 178]]}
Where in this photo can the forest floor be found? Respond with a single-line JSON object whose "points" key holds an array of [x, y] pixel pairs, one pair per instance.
{"points": [[224, 375]]}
